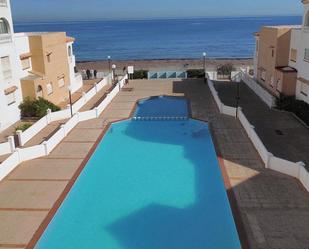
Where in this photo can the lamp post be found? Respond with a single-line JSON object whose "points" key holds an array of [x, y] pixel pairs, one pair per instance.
{"points": [[237, 97], [109, 63], [70, 99], [114, 73], [204, 57]]}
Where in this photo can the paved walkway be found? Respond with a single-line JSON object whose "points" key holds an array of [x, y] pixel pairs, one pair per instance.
{"points": [[53, 127], [282, 134], [273, 208]]}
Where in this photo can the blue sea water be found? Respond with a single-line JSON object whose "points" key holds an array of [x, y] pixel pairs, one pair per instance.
{"points": [[161, 39]]}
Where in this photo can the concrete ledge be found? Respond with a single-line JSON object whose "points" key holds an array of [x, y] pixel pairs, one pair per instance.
{"points": [[296, 170]]}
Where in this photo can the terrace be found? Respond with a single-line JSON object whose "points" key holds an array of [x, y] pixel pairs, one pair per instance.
{"points": [[31, 194]]}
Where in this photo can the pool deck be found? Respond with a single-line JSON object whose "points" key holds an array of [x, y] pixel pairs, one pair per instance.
{"points": [[271, 209]]}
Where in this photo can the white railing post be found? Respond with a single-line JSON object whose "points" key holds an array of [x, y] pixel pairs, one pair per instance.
{"points": [[96, 109], [269, 156], [12, 143], [17, 150], [48, 116], [84, 97], [63, 129], [45, 148], [96, 87], [301, 165], [19, 135]]}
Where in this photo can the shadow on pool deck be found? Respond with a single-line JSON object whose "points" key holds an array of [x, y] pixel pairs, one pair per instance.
{"points": [[271, 209]]}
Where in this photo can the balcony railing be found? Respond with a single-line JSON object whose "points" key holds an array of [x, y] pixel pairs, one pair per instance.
{"points": [[5, 38], [306, 29], [3, 3]]}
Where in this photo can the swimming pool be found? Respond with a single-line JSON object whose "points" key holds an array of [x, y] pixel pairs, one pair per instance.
{"points": [[148, 185]]}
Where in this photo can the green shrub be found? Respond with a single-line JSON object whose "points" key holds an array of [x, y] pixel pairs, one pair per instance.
{"points": [[195, 73], [23, 127], [298, 107], [36, 108], [140, 74], [225, 69]]}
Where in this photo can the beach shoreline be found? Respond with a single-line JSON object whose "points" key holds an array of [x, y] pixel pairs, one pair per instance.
{"points": [[165, 64]]}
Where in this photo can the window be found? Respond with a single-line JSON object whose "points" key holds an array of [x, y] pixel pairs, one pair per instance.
{"points": [[307, 20], [48, 56], [304, 89], [279, 84], [10, 98], [61, 82], [25, 63], [4, 26], [272, 52], [263, 75], [70, 51], [272, 82], [3, 3], [6, 67], [306, 54], [49, 88], [39, 91], [293, 55]]}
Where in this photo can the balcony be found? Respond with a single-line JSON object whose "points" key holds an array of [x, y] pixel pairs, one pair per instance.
{"points": [[3, 3], [306, 29], [5, 38]]}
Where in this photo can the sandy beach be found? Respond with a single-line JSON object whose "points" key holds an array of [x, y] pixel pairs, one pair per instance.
{"points": [[164, 64]]}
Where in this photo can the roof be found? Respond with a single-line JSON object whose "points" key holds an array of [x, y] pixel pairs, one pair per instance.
{"points": [[284, 26], [10, 90], [70, 39], [31, 77], [305, 1], [287, 69], [25, 56]]}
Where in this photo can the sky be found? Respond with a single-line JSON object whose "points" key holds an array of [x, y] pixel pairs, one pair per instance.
{"points": [[68, 10]]}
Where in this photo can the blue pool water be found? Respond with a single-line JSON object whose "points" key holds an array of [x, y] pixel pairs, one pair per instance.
{"points": [[163, 106], [149, 185]]}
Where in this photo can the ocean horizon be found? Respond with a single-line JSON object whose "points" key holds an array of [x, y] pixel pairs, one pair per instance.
{"points": [[175, 38]]}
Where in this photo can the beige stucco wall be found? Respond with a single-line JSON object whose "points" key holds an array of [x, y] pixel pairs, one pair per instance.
{"points": [[27, 88], [278, 40], [287, 84], [53, 44]]}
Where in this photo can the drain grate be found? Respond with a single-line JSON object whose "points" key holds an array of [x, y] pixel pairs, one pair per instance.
{"points": [[279, 132]]}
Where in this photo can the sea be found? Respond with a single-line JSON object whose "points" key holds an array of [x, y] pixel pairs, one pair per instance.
{"points": [[230, 37]]}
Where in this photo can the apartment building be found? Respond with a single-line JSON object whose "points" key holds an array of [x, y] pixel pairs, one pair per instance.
{"points": [[50, 65], [271, 60], [33, 65], [10, 69], [299, 55], [281, 60]]}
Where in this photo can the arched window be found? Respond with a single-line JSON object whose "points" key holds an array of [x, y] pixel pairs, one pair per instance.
{"points": [[69, 51], [4, 27], [307, 19], [39, 91]]}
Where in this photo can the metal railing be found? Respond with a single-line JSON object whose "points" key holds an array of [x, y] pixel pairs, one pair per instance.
{"points": [[5, 38], [3, 3]]}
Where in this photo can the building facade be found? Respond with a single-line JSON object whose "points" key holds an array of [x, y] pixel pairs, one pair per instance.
{"points": [[10, 69], [281, 60], [299, 55], [33, 65], [271, 60], [50, 65]]}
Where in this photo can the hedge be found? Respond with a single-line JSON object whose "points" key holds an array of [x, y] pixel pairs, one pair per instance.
{"points": [[298, 107], [36, 107]]}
